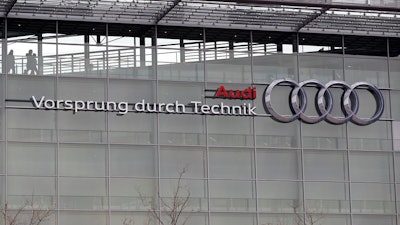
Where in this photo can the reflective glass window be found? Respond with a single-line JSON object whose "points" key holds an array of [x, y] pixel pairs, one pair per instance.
{"points": [[83, 193], [133, 194], [82, 217], [373, 219], [232, 163], [31, 159], [324, 135], [372, 70], [278, 164], [280, 196], [376, 136], [325, 165], [82, 160], [327, 197], [21, 189], [230, 131], [371, 166], [271, 134], [133, 161], [372, 198], [323, 68], [186, 161], [232, 219]]}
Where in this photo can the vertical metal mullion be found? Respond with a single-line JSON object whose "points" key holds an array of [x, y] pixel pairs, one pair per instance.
{"points": [[154, 59], [347, 139], [301, 138], [255, 175], [5, 130], [57, 136], [394, 185], [206, 131], [108, 154]]}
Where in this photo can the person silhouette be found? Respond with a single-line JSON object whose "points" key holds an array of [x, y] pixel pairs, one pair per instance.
{"points": [[31, 63], [11, 62]]}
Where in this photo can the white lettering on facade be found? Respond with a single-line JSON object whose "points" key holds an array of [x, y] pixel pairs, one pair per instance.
{"points": [[122, 108]]}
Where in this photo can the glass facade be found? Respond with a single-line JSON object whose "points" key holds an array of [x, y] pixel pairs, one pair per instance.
{"points": [[102, 168]]}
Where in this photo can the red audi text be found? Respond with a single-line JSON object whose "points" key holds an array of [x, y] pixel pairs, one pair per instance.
{"points": [[248, 93]]}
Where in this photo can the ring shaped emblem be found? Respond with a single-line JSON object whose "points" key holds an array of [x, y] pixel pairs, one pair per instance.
{"points": [[324, 102]]}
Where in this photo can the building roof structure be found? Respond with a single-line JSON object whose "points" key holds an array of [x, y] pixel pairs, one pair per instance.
{"points": [[366, 17]]}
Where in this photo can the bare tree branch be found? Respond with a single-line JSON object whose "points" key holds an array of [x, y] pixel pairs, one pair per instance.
{"points": [[173, 207], [26, 214]]}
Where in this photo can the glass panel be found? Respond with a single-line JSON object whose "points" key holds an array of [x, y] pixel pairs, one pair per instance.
{"points": [[396, 135], [270, 133], [87, 218], [178, 91], [82, 126], [182, 129], [373, 220], [87, 127], [228, 56], [395, 104], [136, 161], [83, 193], [31, 47], [278, 164], [280, 196], [81, 89], [31, 125], [325, 165], [223, 132], [394, 70], [372, 198], [22, 189], [231, 163], [271, 67], [24, 87], [371, 166], [372, 70], [397, 166], [82, 160], [277, 219], [376, 136], [31, 159], [133, 128], [175, 190], [323, 68], [133, 194], [186, 161], [324, 136], [327, 197], [118, 218], [232, 219], [229, 195], [131, 91]]}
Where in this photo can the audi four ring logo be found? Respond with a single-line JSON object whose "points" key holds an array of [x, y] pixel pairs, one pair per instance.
{"points": [[324, 102]]}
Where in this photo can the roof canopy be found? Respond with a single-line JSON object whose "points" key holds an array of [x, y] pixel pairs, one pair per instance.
{"points": [[357, 17]]}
